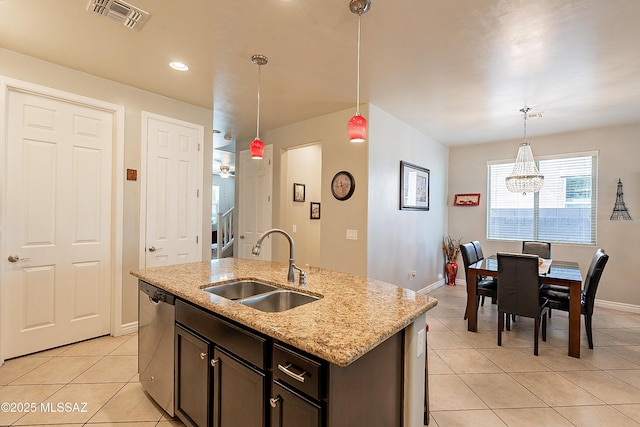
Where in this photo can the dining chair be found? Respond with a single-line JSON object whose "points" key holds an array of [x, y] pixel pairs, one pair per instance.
{"points": [[486, 287], [519, 293], [558, 296], [542, 249]]}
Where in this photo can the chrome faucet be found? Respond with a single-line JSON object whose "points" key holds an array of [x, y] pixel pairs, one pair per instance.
{"points": [[291, 274]]}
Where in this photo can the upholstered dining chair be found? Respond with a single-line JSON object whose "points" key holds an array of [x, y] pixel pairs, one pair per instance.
{"points": [[519, 293], [558, 296], [542, 249], [487, 287]]}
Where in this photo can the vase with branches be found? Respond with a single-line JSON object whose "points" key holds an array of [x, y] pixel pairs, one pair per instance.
{"points": [[451, 249]]}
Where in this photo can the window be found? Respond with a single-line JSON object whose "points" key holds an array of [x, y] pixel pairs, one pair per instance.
{"points": [[564, 211]]}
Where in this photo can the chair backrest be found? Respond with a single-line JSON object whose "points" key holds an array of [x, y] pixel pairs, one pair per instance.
{"points": [[468, 256], [478, 249], [542, 249], [518, 285], [593, 278]]}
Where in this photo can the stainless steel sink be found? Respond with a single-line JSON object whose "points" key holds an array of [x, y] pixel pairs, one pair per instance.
{"points": [[240, 290], [280, 300]]}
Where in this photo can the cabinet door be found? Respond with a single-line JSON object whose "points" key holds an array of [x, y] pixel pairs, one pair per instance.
{"points": [[192, 378], [289, 409], [238, 392]]}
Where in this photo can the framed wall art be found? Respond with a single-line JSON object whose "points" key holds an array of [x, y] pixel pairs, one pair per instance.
{"points": [[414, 187], [470, 199], [298, 192], [315, 210]]}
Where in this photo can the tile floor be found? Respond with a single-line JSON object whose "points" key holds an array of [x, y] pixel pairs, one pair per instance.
{"points": [[472, 381]]}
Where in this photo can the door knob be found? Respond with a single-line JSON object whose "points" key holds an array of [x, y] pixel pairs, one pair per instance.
{"points": [[242, 236], [16, 258]]}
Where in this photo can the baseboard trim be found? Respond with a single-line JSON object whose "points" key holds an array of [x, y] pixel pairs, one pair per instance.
{"points": [[128, 328], [629, 308]]}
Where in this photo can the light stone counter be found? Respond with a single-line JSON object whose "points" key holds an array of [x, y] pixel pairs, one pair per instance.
{"points": [[353, 316]]}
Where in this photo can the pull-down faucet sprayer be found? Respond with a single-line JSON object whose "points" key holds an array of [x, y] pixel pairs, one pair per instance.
{"points": [[291, 274]]}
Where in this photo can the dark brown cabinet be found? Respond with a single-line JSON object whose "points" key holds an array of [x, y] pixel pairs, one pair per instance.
{"points": [[192, 378], [290, 408], [220, 379], [238, 392], [230, 376]]}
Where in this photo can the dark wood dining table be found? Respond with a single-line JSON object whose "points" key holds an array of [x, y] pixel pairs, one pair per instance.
{"points": [[562, 273]]}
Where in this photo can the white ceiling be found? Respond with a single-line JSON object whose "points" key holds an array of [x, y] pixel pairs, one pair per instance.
{"points": [[457, 70]]}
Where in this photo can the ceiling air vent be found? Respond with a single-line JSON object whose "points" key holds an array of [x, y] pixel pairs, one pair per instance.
{"points": [[120, 12]]}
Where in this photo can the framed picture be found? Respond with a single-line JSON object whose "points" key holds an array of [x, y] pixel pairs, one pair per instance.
{"points": [[298, 192], [471, 199], [414, 187], [315, 210]]}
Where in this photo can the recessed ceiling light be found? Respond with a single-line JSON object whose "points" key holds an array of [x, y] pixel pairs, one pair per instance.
{"points": [[180, 66]]}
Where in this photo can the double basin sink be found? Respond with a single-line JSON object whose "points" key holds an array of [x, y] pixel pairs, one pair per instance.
{"points": [[261, 296]]}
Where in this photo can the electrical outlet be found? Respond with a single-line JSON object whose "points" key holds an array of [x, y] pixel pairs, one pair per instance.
{"points": [[294, 228], [352, 234]]}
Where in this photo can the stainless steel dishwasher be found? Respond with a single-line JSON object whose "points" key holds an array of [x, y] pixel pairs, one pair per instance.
{"points": [[156, 326]]}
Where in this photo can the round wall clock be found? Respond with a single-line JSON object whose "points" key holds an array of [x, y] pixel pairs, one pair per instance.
{"points": [[343, 185]]}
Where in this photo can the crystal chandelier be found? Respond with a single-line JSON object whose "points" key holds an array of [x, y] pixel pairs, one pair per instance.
{"points": [[256, 148], [357, 126], [525, 177]]}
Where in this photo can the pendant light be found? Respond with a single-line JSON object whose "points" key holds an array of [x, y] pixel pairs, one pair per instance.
{"points": [[257, 146], [357, 126], [224, 171], [525, 177]]}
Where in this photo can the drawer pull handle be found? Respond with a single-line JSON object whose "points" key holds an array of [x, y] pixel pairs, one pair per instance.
{"points": [[298, 377]]}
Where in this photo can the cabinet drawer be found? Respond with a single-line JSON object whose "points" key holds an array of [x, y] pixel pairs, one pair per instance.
{"points": [[297, 370], [236, 340]]}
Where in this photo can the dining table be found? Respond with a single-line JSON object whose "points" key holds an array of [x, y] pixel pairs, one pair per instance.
{"points": [[552, 272]]}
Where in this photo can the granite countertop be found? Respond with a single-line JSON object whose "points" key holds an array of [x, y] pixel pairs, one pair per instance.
{"points": [[354, 315]]}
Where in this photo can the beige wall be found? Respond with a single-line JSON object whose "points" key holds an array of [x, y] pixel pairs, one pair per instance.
{"points": [[619, 150], [401, 241], [330, 131], [303, 166], [135, 101]]}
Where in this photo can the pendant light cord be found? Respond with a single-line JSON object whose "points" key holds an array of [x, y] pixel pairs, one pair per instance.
{"points": [[358, 68], [525, 110], [258, 119]]}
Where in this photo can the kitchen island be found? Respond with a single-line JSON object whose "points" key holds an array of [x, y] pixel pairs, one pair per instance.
{"points": [[344, 328]]}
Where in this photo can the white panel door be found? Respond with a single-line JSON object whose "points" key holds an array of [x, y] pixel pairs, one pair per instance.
{"points": [[256, 178], [174, 206], [58, 270]]}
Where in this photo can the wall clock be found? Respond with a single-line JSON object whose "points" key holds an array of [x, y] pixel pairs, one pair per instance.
{"points": [[343, 185]]}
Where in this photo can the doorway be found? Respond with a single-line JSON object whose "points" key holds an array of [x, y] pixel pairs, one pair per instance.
{"points": [[302, 166]]}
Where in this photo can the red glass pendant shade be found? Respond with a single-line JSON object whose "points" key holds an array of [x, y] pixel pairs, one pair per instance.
{"points": [[256, 148], [357, 128]]}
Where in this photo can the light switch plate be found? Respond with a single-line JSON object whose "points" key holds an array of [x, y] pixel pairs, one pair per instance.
{"points": [[352, 234]]}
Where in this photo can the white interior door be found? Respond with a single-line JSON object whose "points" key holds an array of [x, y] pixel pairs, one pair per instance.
{"points": [[256, 178], [173, 184], [58, 181]]}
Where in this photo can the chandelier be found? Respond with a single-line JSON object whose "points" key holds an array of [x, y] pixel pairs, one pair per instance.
{"points": [[257, 146], [525, 177], [357, 126]]}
